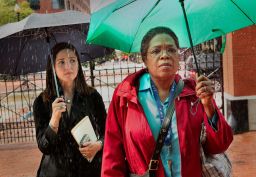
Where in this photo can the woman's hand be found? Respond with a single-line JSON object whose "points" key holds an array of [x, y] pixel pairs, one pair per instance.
{"points": [[89, 149], [58, 107], [205, 91]]}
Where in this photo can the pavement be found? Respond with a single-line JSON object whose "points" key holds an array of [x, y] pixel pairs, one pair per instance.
{"points": [[22, 160], [242, 153]]}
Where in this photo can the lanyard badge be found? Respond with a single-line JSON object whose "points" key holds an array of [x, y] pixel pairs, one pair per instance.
{"points": [[161, 108]]}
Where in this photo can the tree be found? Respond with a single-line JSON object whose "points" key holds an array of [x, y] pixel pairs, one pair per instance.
{"points": [[7, 14]]}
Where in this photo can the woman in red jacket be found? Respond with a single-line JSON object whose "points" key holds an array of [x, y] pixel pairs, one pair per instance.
{"points": [[138, 108]]}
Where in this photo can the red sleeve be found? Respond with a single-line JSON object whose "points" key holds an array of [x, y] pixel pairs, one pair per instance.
{"points": [[217, 141]]}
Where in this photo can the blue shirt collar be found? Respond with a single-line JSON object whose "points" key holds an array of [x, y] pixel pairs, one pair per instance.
{"points": [[145, 85], [144, 82]]}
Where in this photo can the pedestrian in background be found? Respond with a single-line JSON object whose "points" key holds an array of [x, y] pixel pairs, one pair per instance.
{"points": [[55, 117]]}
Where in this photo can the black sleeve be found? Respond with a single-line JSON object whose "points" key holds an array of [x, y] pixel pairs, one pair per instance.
{"points": [[99, 113], [45, 136]]}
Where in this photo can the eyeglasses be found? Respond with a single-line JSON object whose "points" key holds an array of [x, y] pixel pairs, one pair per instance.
{"points": [[157, 52]]}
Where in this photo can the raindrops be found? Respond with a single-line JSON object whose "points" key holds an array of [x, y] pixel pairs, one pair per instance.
{"points": [[28, 50]]}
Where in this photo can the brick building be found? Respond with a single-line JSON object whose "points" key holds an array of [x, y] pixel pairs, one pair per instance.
{"points": [[46, 6], [239, 61], [51, 6], [80, 5]]}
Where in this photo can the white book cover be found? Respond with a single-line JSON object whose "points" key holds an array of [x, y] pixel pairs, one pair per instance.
{"points": [[83, 132]]}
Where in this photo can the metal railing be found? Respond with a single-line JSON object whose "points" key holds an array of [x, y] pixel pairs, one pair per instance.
{"points": [[17, 95]]}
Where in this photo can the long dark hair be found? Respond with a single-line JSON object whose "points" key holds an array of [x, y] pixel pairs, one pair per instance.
{"points": [[150, 34], [80, 84]]}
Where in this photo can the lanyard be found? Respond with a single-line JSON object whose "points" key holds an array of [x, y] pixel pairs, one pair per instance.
{"points": [[161, 108]]}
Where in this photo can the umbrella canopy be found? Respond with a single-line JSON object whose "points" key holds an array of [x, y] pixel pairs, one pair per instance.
{"points": [[123, 23], [24, 47]]}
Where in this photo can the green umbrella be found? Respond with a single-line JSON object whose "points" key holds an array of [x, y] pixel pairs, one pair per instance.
{"points": [[122, 24]]}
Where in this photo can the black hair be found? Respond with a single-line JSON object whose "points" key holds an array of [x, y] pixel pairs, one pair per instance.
{"points": [[153, 32], [80, 83]]}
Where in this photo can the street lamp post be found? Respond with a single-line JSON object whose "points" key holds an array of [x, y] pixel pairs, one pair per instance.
{"points": [[17, 10]]}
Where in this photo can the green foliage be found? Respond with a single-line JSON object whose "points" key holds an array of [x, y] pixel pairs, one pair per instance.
{"points": [[7, 13], [26, 10], [9, 2]]}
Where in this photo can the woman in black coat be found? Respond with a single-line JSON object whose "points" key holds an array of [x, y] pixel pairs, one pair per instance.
{"points": [[55, 117]]}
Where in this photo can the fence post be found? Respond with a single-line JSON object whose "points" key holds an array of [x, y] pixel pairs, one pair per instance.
{"points": [[92, 67]]}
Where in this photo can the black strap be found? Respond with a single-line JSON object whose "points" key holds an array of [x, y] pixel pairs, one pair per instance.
{"points": [[154, 162]]}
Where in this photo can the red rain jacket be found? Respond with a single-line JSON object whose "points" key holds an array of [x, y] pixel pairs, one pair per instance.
{"points": [[129, 143]]}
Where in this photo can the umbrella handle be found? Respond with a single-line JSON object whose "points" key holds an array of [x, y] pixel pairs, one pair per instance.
{"points": [[189, 36]]}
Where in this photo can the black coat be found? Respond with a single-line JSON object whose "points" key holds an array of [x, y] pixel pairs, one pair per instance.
{"points": [[61, 155]]}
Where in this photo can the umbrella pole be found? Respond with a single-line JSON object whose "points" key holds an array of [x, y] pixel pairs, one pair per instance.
{"points": [[52, 63], [189, 35], [54, 77]]}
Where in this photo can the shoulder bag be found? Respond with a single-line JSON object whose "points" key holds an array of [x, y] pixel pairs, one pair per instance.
{"points": [[213, 165]]}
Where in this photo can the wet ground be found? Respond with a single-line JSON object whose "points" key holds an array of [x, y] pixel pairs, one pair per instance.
{"points": [[242, 153], [22, 160]]}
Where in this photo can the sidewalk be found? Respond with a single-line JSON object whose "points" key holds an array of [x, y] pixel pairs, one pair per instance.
{"points": [[243, 155], [19, 160], [22, 160]]}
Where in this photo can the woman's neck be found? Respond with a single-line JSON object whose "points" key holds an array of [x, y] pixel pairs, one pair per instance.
{"points": [[163, 87], [68, 90]]}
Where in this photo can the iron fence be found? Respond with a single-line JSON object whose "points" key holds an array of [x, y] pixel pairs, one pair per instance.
{"points": [[17, 94]]}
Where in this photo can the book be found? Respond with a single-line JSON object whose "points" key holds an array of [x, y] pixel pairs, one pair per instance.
{"points": [[83, 132]]}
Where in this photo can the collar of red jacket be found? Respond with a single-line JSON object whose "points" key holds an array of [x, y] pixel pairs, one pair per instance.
{"points": [[129, 87]]}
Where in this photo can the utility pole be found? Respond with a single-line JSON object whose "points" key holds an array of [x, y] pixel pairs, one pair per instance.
{"points": [[17, 9]]}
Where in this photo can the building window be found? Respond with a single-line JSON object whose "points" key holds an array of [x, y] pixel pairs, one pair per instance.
{"points": [[34, 4], [68, 5], [58, 4]]}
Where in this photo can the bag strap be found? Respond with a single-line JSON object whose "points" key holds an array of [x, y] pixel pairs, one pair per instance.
{"points": [[203, 134], [202, 141], [154, 162]]}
